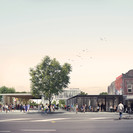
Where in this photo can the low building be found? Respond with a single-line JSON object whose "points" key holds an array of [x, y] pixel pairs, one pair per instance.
{"points": [[104, 102]]}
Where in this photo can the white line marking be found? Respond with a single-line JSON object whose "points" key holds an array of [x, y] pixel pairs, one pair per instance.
{"points": [[55, 119], [38, 130], [14, 119], [98, 118]]}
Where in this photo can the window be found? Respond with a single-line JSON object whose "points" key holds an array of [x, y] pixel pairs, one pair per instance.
{"points": [[129, 88]]}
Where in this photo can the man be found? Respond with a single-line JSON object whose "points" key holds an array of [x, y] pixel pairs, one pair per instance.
{"points": [[120, 109]]}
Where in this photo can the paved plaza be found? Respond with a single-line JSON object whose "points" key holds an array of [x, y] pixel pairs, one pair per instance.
{"points": [[65, 122]]}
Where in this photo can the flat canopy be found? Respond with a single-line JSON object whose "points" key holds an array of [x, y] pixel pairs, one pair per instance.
{"points": [[20, 95], [129, 97]]}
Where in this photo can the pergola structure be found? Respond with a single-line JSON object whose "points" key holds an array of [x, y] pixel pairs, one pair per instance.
{"points": [[10, 98]]}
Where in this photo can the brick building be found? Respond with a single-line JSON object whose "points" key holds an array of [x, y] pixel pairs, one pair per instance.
{"points": [[123, 85]]}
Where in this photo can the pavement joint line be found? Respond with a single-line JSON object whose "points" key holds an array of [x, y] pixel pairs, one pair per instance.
{"points": [[38, 130], [5, 131]]}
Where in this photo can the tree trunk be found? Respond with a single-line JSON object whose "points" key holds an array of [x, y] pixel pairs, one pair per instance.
{"points": [[49, 104]]}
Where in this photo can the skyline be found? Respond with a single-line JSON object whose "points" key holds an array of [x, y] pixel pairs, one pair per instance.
{"points": [[95, 37]]}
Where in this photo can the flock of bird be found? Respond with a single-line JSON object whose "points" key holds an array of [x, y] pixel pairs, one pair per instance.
{"points": [[83, 55]]}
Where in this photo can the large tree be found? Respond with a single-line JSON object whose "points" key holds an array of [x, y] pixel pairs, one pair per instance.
{"points": [[49, 78]]}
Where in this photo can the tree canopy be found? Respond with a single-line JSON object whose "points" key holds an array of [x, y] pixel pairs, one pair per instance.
{"points": [[49, 77], [5, 89], [103, 93]]}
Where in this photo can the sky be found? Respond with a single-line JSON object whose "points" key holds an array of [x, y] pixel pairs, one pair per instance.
{"points": [[94, 36]]}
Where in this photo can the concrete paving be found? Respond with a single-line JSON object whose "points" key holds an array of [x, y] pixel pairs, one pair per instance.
{"points": [[61, 111], [62, 121]]}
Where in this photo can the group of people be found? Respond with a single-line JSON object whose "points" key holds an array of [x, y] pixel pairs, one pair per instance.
{"points": [[120, 109], [12, 107], [47, 108], [84, 108]]}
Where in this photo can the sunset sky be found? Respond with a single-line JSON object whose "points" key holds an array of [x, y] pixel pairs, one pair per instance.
{"points": [[94, 36]]}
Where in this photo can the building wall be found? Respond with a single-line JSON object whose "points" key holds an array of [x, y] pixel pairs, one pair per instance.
{"points": [[118, 85], [111, 89], [128, 86], [128, 83]]}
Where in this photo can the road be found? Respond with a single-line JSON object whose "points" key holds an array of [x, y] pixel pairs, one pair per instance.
{"points": [[64, 122]]}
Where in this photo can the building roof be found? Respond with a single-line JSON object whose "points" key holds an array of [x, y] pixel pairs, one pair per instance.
{"points": [[98, 96], [20, 95]]}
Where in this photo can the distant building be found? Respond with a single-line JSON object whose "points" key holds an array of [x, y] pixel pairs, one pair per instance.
{"points": [[123, 85], [66, 94], [111, 88]]}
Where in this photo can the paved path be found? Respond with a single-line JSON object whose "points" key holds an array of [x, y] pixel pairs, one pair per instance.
{"points": [[64, 122]]}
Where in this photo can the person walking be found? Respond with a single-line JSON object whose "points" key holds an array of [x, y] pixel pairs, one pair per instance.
{"points": [[84, 108], [76, 108], [6, 107], [120, 109]]}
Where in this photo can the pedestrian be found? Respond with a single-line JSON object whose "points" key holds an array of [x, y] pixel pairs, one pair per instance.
{"points": [[46, 108], [24, 108], [6, 107], [120, 109], [28, 107], [84, 108], [90, 108], [0, 108], [76, 108], [21, 108], [98, 108]]}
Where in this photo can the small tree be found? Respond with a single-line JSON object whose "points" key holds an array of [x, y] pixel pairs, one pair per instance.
{"points": [[103, 93], [49, 78], [83, 93], [5, 89], [61, 102], [54, 102]]}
